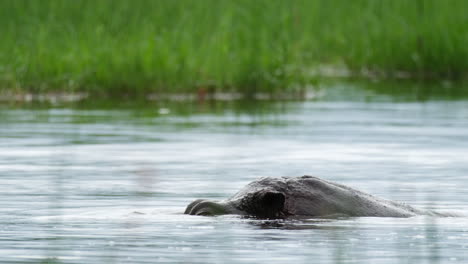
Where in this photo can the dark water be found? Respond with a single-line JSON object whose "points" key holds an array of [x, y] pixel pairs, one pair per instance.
{"points": [[109, 185]]}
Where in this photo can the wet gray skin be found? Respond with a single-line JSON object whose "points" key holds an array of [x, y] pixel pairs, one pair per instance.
{"points": [[305, 196]]}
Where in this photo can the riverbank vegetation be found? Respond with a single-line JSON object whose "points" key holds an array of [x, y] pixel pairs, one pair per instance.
{"points": [[133, 48]]}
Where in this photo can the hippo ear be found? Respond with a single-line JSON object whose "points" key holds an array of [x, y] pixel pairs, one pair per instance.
{"points": [[273, 204]]}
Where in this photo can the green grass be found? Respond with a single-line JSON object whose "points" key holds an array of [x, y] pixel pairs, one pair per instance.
{"points": [[120, 47]]}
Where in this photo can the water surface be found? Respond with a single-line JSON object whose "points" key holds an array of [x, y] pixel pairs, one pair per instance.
{"points": [[109, 185]]}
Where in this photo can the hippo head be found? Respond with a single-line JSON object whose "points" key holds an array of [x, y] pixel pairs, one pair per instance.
{"points": [[262, 204]]}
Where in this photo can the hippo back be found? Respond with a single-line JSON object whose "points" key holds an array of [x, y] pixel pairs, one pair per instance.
{"points": [[312, 196]]}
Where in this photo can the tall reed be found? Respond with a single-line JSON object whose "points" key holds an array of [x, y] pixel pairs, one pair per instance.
{"points": [[120, 47]]}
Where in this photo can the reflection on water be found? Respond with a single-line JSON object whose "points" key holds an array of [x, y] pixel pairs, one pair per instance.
{"points": [[104, 185]]}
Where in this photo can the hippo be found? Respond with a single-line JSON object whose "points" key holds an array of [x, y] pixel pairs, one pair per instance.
{"points": [[305, 196]]}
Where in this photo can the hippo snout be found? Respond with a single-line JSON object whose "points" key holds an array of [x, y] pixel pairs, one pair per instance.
{"points": [[205, 207], [262, 204]]}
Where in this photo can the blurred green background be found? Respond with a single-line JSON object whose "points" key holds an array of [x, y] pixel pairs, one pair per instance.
{"points": [[119, 47]]}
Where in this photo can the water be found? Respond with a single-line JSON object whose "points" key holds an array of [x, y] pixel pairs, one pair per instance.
{"points": [[87, 185]]}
